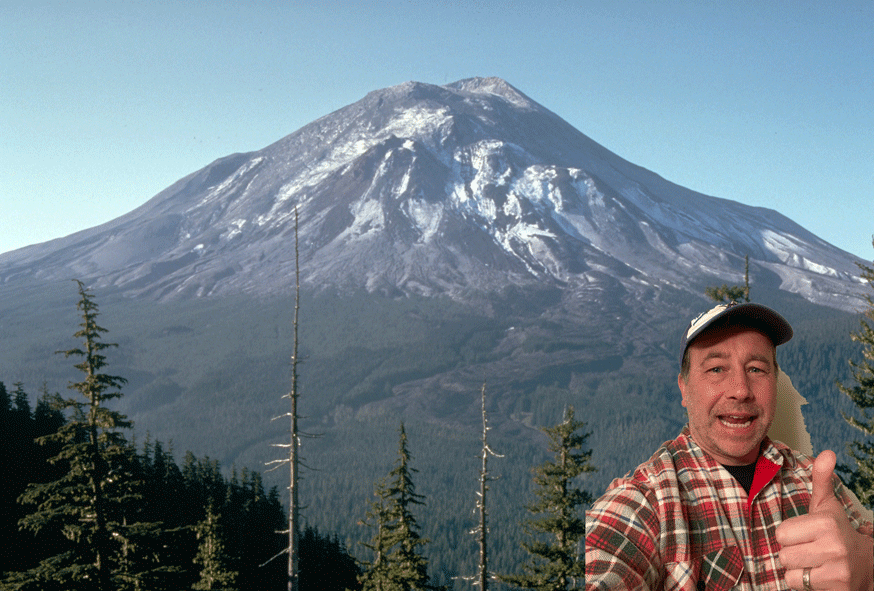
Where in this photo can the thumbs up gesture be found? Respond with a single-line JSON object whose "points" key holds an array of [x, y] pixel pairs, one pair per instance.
{"points": [[824, 541]]}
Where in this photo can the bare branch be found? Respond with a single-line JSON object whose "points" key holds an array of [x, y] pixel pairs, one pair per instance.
{"points": [[284, 551]]}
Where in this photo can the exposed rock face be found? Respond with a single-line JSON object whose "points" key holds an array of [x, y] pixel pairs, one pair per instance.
{"points": [[459, 189]]}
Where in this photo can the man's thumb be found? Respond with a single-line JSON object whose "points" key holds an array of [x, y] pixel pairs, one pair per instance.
{"points": [[823, 471]]}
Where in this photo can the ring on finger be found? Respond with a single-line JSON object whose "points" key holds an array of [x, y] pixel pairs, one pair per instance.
{"points": [[805, 579]]}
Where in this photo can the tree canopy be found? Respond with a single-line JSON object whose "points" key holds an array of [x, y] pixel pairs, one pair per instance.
{"points": [[861, 479]]}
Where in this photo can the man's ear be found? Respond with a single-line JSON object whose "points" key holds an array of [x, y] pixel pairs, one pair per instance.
{"points": [[681, 383]]}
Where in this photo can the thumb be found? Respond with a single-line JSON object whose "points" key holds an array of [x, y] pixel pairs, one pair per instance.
{"points": [[823, 471]]}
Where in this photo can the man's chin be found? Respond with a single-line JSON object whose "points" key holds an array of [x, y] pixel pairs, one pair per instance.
{"points": [[733, 445], [741, 450]]}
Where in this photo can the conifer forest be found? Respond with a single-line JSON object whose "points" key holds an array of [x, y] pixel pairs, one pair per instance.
{"points": [[89, 503], [86, 506]]}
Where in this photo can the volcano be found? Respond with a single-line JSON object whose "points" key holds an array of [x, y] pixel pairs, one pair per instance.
{"points": [[463, 189]]}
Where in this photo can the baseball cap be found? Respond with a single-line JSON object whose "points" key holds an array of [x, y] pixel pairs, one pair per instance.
{"points": [[748, 314]]}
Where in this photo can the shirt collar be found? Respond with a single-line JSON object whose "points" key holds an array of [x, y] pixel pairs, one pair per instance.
{"points": [[768, 450], [768, 464]]}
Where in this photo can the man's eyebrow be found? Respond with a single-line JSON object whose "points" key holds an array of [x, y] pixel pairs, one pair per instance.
{"points": [[715, 355], [762, 358], [724, 355]]}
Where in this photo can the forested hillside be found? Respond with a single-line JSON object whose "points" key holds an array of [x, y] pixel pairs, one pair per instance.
{"points": [[355, 351], [191, 506], [443, 237], [86, 506], [208, 522]]}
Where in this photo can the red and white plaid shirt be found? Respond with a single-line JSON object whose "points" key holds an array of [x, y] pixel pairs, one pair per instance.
{"points": [[681, 521]]}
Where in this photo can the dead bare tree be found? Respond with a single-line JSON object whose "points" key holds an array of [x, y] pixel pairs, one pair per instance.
{"points": [[481, 531], [293, 446]]}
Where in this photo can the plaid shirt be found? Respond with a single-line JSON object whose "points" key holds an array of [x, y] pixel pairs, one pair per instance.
{"points": [[681, 521]]}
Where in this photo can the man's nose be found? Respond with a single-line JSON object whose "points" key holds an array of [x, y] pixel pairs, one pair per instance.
{"points": [[739, 385]]}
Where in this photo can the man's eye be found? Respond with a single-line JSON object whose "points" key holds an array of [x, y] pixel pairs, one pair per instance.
{"points": [[715, 370]]}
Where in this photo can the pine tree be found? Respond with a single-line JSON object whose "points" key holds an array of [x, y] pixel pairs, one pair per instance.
{"points": [[861, 480], [215, 572], [93, 503], [325, 564], [378, 517], [732, 293], [557, 564], [23, 461], [5, 401], [22, 402], [46, 419], [399, 564], [247, 521]]}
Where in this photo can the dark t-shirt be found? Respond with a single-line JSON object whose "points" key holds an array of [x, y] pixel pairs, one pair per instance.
{"points": [[743, 474]]}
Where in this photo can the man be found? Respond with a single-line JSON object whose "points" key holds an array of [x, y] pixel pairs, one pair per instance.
{"points": [[723, 506]]}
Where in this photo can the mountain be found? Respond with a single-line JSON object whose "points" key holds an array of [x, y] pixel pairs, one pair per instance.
{"points": [[449, 236], [461, 189]]}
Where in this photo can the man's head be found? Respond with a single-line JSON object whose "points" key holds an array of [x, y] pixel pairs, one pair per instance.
{"points": [[749, 315], [729, 376]]}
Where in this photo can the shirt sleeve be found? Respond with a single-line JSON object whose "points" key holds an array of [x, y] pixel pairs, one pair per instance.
{"points": [[621, 541], [860, 517]]}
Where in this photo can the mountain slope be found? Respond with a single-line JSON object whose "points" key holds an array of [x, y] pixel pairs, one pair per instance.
{"points": [[460, 189], [515, 251]]}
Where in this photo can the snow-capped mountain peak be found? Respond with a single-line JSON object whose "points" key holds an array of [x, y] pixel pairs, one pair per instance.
{"points": [[417, 188]]}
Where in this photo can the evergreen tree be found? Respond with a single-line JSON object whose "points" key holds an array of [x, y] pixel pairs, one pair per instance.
{"points": [[164, 487], [249, 519], [378, 517], [861, 480], [557, 564], [46, 418], [732, 293], [399, 564], [23, 461], [22, 402], [215, 572], [325, 565], [93, 502], [5, 401]]}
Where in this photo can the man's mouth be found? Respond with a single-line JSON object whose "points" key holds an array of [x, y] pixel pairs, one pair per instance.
{"points": [[736, 421]]}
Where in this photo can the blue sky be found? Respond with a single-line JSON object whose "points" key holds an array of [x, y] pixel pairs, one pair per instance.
{"points": [[104, 104]]}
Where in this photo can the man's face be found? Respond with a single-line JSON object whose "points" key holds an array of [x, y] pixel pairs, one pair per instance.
{"points": [[730, 393]]}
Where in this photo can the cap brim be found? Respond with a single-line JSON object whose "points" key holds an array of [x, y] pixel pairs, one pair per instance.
{"points": [[755, 316]]}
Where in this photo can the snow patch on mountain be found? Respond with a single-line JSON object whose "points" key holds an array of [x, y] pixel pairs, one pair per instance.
{"points": [[440, 189], [234, 229], [426, 217], [369, 219], [424, 123], [216, 192]]}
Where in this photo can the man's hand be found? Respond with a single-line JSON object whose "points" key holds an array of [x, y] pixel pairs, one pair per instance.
{"points": [[839, 557]]}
